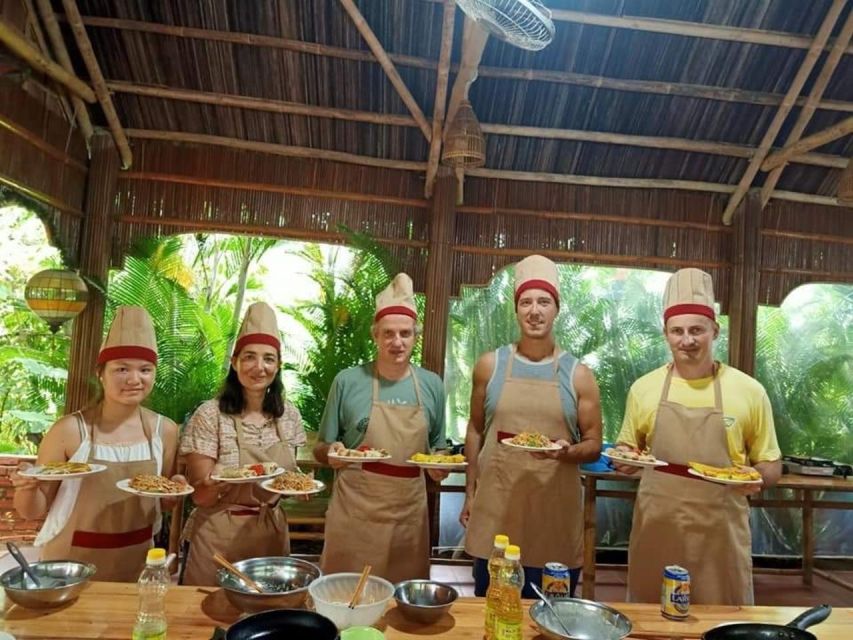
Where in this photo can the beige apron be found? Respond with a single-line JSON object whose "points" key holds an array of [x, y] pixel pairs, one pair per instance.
{"points": [[240, 526], [108, 527], [680, 519], [378, 513], [537, 503]]}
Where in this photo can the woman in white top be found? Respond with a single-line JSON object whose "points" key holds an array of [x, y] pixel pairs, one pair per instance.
{"points": [[88, 518]]}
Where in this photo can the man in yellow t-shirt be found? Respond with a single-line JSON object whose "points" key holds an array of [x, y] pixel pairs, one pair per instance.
{"points": [[696, 410]]}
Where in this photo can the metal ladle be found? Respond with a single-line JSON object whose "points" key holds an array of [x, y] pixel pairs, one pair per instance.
{"points": [[25, 566], [547, 602]]}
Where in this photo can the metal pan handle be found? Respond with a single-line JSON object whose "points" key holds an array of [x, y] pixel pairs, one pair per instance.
{"points": [[813, 616]]}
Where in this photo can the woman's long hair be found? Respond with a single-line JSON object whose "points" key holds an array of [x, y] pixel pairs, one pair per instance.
{"points": [[231, 399]]}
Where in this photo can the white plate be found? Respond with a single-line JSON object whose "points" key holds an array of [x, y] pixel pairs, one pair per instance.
{"points": [[447, 466], [634, 463], [508, 442], [124, 485], [354, 460], [318, 487], [34, 472], [275, 473], [693, 472]]}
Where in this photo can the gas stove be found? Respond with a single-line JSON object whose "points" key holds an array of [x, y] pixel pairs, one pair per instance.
{"points": [[815, 467]]}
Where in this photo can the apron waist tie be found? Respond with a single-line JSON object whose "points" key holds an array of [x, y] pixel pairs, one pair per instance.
{"points": [[393, 470], [100, 540]]}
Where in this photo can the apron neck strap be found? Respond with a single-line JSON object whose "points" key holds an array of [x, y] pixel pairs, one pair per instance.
{"points": [[718, 396], [411, 374], [514, 349], [91, 430]]}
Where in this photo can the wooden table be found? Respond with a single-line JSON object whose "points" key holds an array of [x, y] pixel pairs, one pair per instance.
{"points": [[106, 611], [804, 489]]}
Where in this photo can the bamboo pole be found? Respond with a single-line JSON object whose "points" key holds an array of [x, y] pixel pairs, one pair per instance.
{"points": [[40, 196], [440, 103], [390, 70], [807, 198], [474, 40], [818, 139], [33, 57], [33, 21], [275, 149], [51, 25], [706, 92], [41, 144], [803, 73], [259, 104], [72, 13], [691, 29], [815, 95]]}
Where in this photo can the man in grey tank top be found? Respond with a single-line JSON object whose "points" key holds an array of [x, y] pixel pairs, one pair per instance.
{"points": [[534, 497]]}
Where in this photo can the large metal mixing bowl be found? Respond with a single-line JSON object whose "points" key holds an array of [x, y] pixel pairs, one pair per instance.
{"points": [[284, 580], [424, 601], [587, 620], [62, 581]]}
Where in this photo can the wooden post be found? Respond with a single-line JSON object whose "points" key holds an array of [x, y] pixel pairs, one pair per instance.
{"points": [[95, 244], [743, 307], [441, 232], [590, 537]]}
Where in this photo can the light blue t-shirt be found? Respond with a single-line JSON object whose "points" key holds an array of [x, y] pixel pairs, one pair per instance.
{"points": [[542, 370]]}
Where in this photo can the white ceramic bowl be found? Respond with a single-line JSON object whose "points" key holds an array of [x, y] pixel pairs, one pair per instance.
{"points": [[331, 595]]}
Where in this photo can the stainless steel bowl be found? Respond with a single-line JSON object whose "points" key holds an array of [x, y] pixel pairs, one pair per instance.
{"points": [[587, 620], [285, 581], [424, 601], [63, 581]]}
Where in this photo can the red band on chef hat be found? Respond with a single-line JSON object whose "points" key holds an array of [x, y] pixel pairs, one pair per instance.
{"points": [[257, 338], [129, 352], [395, 310], [684, 309], [538, 284]]}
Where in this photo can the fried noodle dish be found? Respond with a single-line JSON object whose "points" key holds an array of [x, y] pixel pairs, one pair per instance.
{"points": [[155, 484], [725, 473], [249, 470], [639, 456], [293, 481], [63, 468], [438, 458], [363, 452], [531, 439]]}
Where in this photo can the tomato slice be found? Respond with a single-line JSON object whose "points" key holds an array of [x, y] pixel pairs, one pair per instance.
{"points": [[257, 468]]}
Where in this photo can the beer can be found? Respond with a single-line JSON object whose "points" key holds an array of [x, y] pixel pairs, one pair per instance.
{"points": [[675, 592], [555, 579]]}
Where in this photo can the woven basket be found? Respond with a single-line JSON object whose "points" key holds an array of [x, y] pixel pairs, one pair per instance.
{"points": [[464, 146]]}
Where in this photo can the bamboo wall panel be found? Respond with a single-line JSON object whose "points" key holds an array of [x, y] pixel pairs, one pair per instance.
{"points": [[44, 159], [14, 13]]}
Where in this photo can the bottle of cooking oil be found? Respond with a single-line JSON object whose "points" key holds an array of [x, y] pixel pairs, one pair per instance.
{"points": [[496, 560], [153, 584], [508, 612]]}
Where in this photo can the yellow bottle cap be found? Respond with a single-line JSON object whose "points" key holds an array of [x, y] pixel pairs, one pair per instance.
{"points": [[501, 541], [513, 552], [156, 556]]}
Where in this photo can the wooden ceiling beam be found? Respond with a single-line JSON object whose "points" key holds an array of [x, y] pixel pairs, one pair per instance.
{"points": [[19, 46], [386, 63], [99, 84], [705, 92], [793, 152], [440, 102], [62, 93], [816, 93], [275, 149], [809, 62]]}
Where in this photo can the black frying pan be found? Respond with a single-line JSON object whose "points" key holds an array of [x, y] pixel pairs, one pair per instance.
{"points": [[794, 630], [281, 624]]}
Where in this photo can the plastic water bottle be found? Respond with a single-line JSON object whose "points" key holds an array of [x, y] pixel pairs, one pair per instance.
{"points": [[153, 584], [496, 560], [509, 615]]}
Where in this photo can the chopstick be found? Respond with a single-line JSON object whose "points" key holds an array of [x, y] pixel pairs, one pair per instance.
{"points": [[230, 567], [360, 586]]}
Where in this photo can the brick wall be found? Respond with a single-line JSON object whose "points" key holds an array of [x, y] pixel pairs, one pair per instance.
{"points": [[12, 526]]}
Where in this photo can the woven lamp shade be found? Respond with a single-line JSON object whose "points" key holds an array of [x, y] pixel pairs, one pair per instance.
{"points": [[845, 186], [56, 296], [464, 146]]}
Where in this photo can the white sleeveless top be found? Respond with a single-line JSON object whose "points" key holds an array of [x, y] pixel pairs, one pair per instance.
{"points": [[66, 496]]}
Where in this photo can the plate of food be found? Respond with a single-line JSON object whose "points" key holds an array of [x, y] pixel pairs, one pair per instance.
{"points": [[360, 454], [153, 486], [438, 461], [634, 458], [62, 470], [724, 475], [248, 473], [531, 441], [294, 483]]}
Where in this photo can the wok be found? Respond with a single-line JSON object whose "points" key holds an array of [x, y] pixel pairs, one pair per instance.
{"points": [[794, 630], [280, 624]]}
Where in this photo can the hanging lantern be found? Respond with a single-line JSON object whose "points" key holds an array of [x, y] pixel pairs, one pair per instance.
{"points": [[56, 296], [464, 146]]}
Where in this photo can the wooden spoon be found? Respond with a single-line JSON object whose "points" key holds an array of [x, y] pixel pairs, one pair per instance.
{"points": [[360, 586], [222, 562]]}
